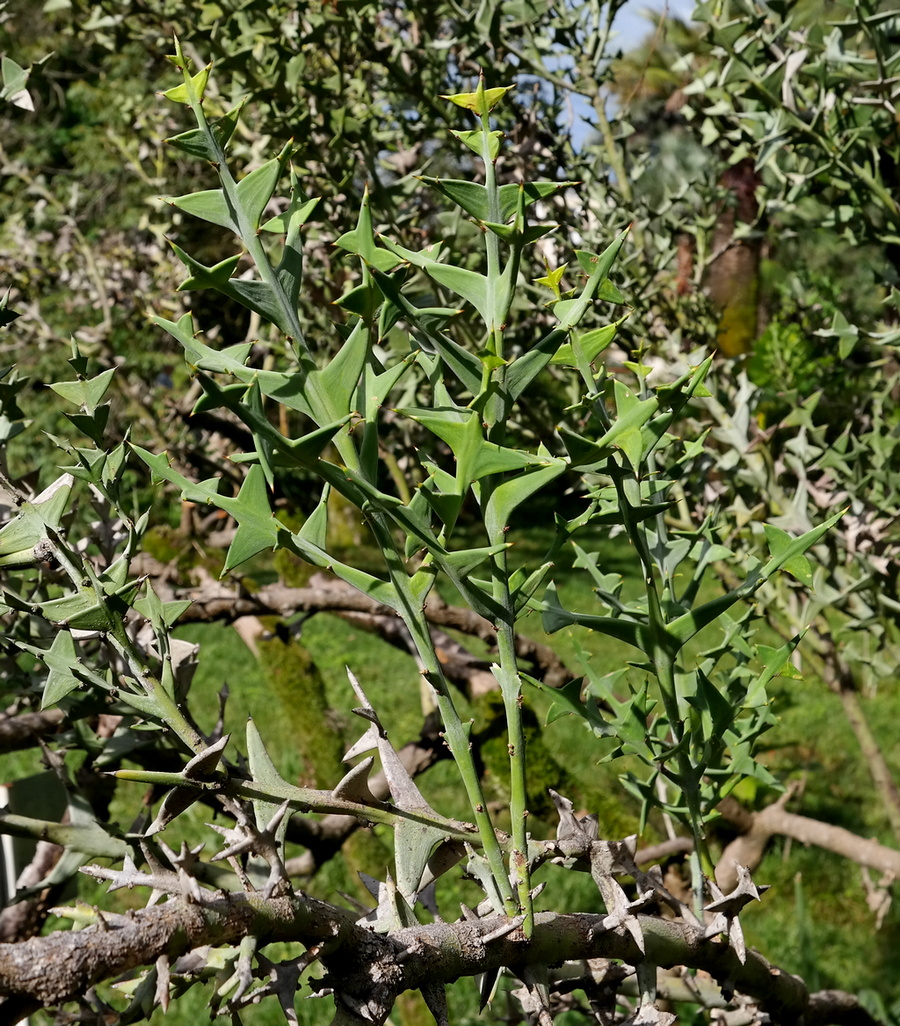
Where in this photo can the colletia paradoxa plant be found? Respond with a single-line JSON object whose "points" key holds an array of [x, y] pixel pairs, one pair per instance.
{"points": [[685, 709]]}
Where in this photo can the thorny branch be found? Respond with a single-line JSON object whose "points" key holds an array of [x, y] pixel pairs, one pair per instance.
{"points": [[367, 970]]}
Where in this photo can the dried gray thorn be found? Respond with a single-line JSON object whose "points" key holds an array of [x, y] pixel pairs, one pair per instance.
{"points": [[645, 898], [245, 837], [240, 841], [366, 714], [284, 979], [244, 969], [202, 766], [468, 914], [599, 926], [190, 888], [581, 833], [736, 936], [185, 859], [366, 743], [503, 930], [726, 909], [357, 689], [163, 980], [623, 853], [719, 924], [732, 903], [413, 950], [192, 962], [354, 785], [367, 1010], [487, 907]]}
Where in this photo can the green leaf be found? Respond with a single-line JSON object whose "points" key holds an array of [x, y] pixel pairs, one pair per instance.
{"points": [[473, 198], [798, 565], [191, 90], [527, 367], [552, 279], [315, 528], [202, 277], [571, 311], [524, 234], [376, 589], [204, 492], [209, 205], [160, 614], [255, 190], [15, 77], [776, 663], [475, 140], [476, 458], [425, 322], [92, 608], [264, 775], [257, 527], [87, 394], [61, 659], [510, 195], [509, 495], [90, 840], [591, 343], [567, 701], [198, 143], [361, 240], [260, 297], [264, 448], [716, 712], [290, 223], [470, 285], [24, 540], [464, 561], [7, 315], [482, 101], [784, 555], [555, 617], [625, 433], [297, 214], [341, 376], [231, 360], [686, 626], [255, 295], [846, 333], [629, 437]]}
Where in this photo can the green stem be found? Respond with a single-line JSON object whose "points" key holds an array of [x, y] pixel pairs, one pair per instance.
{"points": [[455, 732], [168, 709], [511, 690], [508, 673]]}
